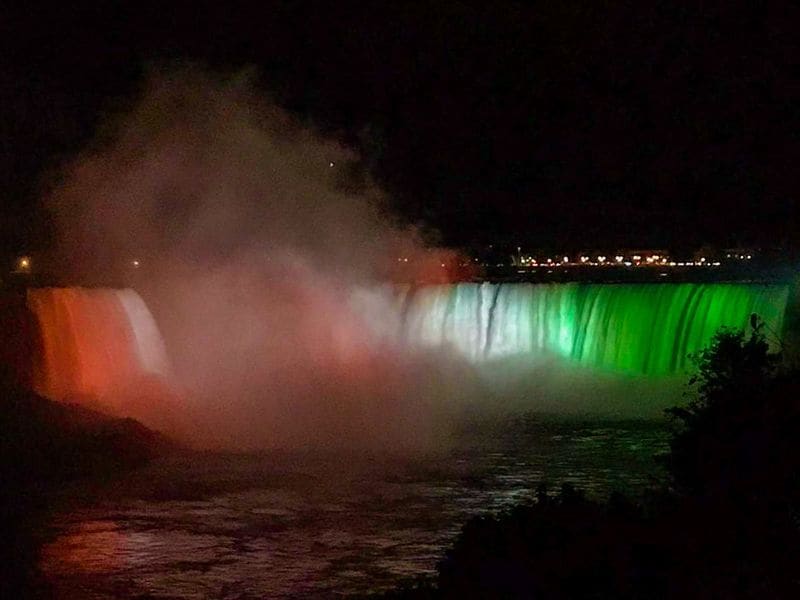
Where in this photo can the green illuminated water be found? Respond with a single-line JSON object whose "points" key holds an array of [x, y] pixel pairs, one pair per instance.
{"points": [[631, 328]]}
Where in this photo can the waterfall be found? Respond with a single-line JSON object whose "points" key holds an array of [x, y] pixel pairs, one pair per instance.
{"points": [[647, 329], [104, 344], [94, 342]]}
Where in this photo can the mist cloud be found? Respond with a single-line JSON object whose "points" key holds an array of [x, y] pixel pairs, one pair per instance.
{"points": [[251, 233]]}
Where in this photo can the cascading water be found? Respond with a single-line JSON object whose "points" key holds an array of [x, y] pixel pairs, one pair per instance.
{"points": [[103, 346], [95, 343], [646, 329]]}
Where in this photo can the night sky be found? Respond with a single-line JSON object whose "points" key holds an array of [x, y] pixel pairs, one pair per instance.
{"points": [[560, 123]]}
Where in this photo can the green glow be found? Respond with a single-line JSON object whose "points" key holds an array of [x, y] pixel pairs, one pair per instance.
{"points": [[635, 328]]}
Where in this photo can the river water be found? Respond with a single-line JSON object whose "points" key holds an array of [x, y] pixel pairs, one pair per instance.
{"points": [[293, 525]]}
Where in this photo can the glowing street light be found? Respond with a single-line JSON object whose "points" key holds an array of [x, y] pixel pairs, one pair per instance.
{"points": [[23, 264]]}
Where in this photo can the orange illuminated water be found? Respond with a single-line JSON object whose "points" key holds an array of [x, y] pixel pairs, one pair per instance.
{"points": [[95, 344]]}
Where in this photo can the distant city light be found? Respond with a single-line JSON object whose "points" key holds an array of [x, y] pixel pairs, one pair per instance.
{"points": [[528, 262], [23, 264]]}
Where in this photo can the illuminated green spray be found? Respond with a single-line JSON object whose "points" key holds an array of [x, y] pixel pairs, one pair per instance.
{"points": [[634, 328]]}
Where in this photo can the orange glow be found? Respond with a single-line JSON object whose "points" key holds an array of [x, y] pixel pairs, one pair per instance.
{"points": [[23, 264], [95, 343], [93, 547]]}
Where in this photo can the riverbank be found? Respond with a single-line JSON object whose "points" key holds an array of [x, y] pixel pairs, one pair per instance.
{"points": [[45, 447]]}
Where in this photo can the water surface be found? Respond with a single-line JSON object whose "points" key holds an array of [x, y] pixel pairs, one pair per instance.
{"points": [[294, 525]]}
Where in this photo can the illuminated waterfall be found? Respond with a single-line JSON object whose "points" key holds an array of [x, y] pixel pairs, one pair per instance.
{"points": [[630, 328], [99, 343], [95, 343]]}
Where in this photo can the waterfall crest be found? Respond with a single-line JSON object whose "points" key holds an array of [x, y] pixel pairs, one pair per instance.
{"points": [[646, 329], [95, 343]]}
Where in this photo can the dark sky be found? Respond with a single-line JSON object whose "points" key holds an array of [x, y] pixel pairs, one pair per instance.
{"points": [[569, 123]]}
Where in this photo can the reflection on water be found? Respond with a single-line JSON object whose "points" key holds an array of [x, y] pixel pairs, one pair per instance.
{"points": [[280, 525]]}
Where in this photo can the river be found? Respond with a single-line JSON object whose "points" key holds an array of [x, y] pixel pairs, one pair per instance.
{"points": [[295, 525]]}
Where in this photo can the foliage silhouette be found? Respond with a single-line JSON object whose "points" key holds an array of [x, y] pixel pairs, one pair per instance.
{"points": [[724, 526]]}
